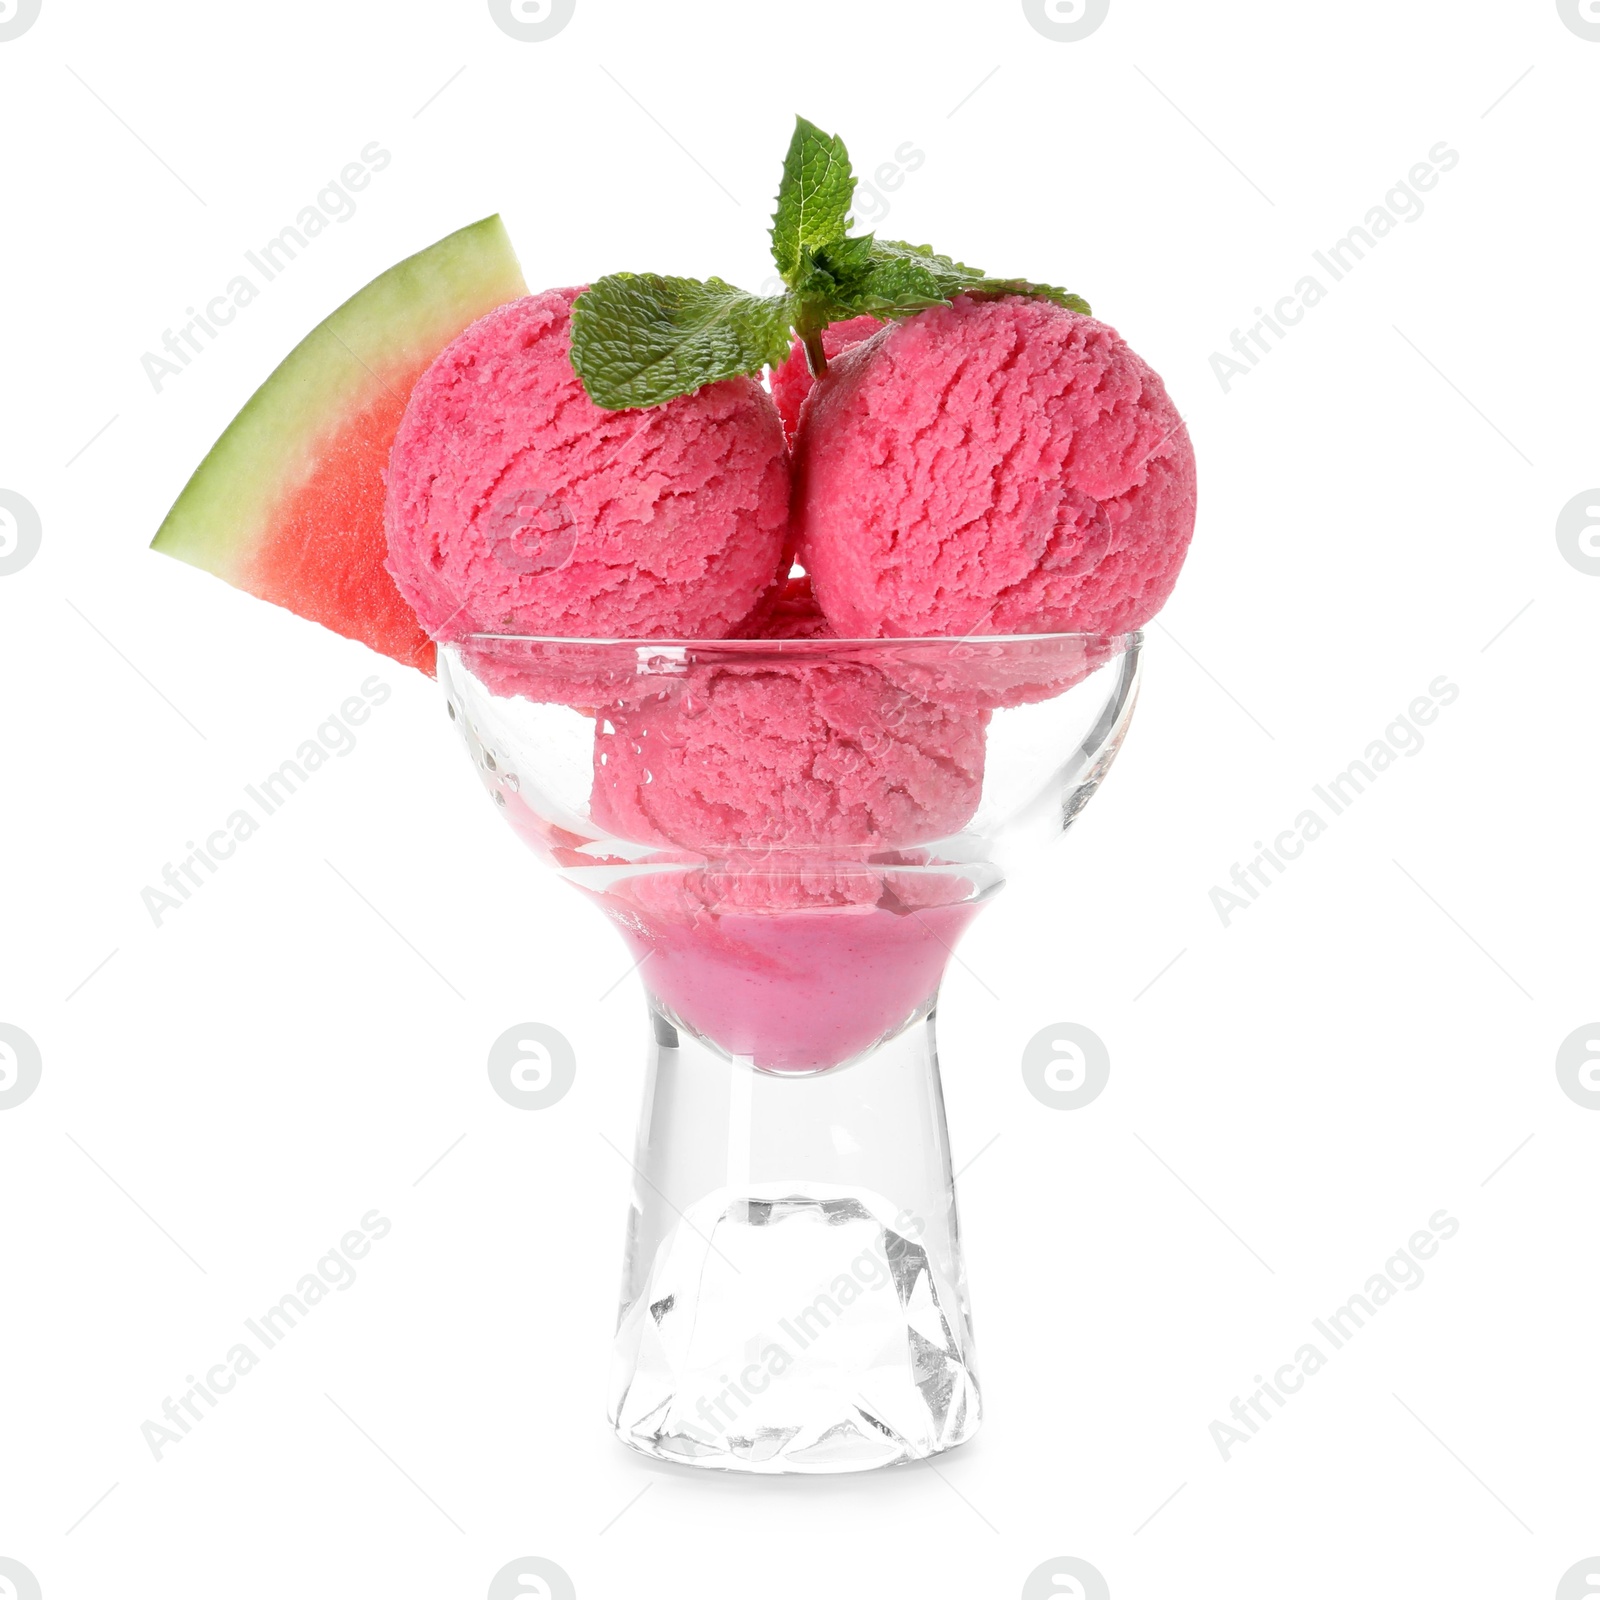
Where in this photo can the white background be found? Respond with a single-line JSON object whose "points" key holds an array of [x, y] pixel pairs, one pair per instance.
{"points": [[1290, 1099]]}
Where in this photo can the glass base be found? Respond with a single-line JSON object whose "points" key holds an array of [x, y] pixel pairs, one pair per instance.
{"points": [[793, 1294]]}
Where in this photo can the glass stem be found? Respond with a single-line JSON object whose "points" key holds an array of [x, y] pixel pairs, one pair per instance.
{"points": [[793, 1295]]}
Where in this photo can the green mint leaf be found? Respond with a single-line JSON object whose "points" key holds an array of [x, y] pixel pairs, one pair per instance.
{"points": [[639, 339], [829, 284], [814, 198], [905, 278], [831, 280]]}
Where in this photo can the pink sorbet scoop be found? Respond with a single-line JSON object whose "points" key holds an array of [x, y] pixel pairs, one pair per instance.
{"points": [[517, 505], [787, 757], [992, 467]]}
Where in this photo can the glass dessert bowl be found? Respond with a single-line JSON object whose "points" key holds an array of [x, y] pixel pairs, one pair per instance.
{"points": [[791, 836]]}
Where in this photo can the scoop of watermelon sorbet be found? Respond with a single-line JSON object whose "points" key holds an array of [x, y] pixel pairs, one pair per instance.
{"points": [[992, 467], [789, 758], [517, 505]]}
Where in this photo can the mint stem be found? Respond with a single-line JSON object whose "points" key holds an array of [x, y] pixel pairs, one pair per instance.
{"points": [[816, 356]]}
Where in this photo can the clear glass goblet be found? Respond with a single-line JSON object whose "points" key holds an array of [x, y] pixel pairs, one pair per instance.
{"points": [[791, 836]]}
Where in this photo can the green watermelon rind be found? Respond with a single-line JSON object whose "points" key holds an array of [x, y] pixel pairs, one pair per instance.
{"points": [[401, 319]]}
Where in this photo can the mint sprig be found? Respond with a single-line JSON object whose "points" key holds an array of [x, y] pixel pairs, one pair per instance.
{"points": [[640, 339]]}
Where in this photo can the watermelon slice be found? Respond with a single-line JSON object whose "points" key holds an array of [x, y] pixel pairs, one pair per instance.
{"points": [[288, 503]]}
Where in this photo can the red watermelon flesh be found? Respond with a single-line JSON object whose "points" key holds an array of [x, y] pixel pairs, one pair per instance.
{"points": [[288, 504], [324, 556]]}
